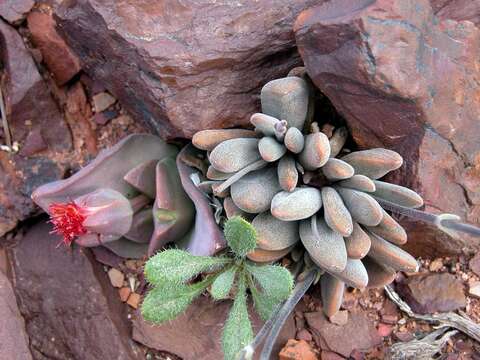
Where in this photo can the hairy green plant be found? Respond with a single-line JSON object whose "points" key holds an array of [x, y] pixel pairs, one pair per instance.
{"points": [[229, 275]]}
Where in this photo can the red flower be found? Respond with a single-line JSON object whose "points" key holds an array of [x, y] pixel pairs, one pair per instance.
{"points": [[67, 220]]}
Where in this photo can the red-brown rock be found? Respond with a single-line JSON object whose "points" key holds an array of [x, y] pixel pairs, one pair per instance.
{"points": [[181, 79], [58, 57], [408, 81], [457, 10], [65, 295], [13, 338], [430, 293], [297, 350], [474, 264], [14, 11], [198, 331], [29, 107], [358, 334]]}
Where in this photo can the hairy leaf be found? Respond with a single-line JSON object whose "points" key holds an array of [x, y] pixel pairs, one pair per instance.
{"points": [[178, 266], [264, 305], [238, 331], [275, 281], [222, 285], [167, 302], [241, 236]]}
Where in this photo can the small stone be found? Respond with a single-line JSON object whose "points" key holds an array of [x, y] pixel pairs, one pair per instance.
{"points": [[14, 11], [134, 300], [404, 336], [103, 101], [330, 355], [390, 319], [436, 265], [304, 334], [116, 277], [474, 264], [340, 317], [34, 143], [474, 289], [297, 350], [384, 330], [102, 118], [124, 293]]}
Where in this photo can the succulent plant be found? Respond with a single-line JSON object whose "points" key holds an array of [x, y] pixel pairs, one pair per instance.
{"points": [[131, 200], [299, 185], [227, 276]]}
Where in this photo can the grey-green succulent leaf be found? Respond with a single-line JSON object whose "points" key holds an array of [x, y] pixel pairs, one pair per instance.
{"points": [[179, 266], [222, 285], [241, 236], [238, 331]]}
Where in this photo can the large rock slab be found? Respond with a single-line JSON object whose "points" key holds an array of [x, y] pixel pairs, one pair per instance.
{"points": [[359, 333], [197, 333], [430, 293], [14, 11], [70, 308], [184, 66], [406, 80], [13, 338], [35, 123], [457, 10]]}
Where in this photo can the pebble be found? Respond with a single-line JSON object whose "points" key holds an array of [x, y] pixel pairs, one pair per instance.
{"points": [[124, 293], [340, 318], [134, 300], [102, 101], [474, 289], [436, 265], [384, 330], [297, 350], [304, 334], [116, 277]]}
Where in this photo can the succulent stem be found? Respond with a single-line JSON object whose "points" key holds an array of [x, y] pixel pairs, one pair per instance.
{"points": [[448, 223]]}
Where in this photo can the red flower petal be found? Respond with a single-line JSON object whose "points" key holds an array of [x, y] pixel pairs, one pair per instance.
{"points": [[67, 220]]}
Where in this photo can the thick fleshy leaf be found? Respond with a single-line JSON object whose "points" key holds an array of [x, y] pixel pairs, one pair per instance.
{"points": [[299, 204], [254, 192], [275, 234], [294, 140], [173, 211], [267, 256], [364, 209], [358, 243], [264, 124], [337, 141], [336, 169], [205, 238], [332, 290], [287, 173], [142, 227], [336, 215], [397, 194], [233, 155], [238, 331], [316, 152], [359, 182], [325, 246], [286, 99], [387, 254], [142, 178], [390, 230], [378, 275], [270, 149], [106, 171], [354, 274], [209, 139], [178, 266], [374, 163]]}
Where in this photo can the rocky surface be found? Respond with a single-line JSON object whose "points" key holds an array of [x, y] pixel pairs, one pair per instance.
{"points": [[358, 333], [457, 10], [202, 325], [13, 338], [33, 117], [58, 57], [70, 309], [384, 66], [14, 11], [181, 79], [431, 293]]}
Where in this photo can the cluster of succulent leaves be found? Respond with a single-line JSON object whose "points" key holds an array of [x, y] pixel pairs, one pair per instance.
{"points": [[172, 273]]}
